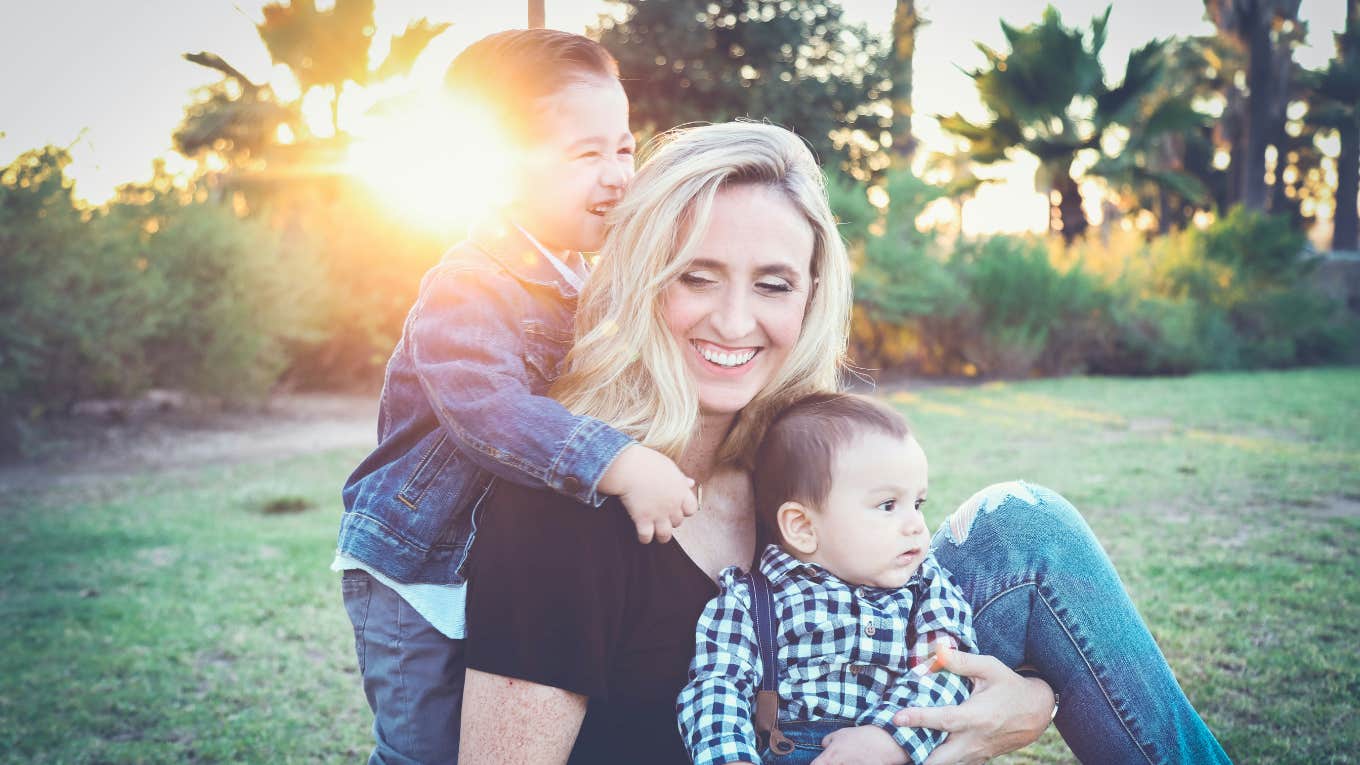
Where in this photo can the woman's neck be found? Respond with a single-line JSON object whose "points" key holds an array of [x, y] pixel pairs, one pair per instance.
{"points": [[701, 456]]}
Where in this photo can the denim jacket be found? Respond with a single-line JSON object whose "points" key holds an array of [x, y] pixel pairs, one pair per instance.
{"points": [[465, 401]]}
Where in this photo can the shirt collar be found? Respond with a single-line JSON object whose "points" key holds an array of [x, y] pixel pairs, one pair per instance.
{"points": [[778, 565], [507, 245]]}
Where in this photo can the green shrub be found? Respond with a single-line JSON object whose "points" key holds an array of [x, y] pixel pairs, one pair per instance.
{"points": [[156, 290]]}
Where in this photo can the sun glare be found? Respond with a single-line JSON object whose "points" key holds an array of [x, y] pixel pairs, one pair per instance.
{"points": [[438, 164]]}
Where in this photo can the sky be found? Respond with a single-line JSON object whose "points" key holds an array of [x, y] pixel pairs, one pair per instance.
{"points": [[106, 78]]}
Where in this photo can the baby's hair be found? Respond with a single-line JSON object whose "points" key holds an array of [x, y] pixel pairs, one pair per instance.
{"points": [[508, 72], [798, 453]]}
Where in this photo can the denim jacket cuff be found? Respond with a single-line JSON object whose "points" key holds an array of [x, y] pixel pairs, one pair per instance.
{"points": [[585, 457]]}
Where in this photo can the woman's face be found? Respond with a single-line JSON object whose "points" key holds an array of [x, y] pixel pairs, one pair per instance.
{"points": [[737, 308]]}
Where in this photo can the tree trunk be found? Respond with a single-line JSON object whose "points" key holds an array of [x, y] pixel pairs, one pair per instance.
{"points": [[1344, 232], [1073, 218], [536, 14], [1253, 170], [905, 23]]}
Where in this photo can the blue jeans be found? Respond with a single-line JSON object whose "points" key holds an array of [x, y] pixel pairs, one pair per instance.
{"points": [[807, 741], [413, 675], [1044, 593]]}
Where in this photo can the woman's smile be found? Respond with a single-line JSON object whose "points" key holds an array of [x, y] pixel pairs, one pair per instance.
{"points": [[724, 359]]}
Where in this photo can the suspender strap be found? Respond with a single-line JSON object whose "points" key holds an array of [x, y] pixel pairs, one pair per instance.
{"points": [[767, 698]]}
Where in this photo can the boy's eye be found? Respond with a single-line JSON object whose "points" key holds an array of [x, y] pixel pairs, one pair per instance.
{"points": [[887, 505], [920, 502]]}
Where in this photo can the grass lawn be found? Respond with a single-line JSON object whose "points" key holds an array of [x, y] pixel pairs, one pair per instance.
{"points": [[165, 617]]}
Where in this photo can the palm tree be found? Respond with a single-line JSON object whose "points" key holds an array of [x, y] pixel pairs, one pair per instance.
{"points": [[1048, 97], [1266, 30], [1334, 103]]}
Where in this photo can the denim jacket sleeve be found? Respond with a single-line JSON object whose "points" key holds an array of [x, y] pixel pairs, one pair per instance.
{"points": [[467, 347]]}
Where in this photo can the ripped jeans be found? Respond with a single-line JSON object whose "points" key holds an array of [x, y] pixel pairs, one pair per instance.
{"points": [[1044, 593]]}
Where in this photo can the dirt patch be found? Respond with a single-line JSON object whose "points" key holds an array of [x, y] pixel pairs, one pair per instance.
{"points": [[99, 447]]}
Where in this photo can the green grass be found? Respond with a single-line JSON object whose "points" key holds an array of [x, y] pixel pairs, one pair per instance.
{"points": [[169, 617]]}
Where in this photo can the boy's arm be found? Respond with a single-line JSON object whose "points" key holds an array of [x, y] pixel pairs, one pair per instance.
{"points": [[715, 710], [943, 612], [467, 347]]}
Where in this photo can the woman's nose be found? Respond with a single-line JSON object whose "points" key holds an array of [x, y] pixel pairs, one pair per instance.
{"points": [[732, 318]]}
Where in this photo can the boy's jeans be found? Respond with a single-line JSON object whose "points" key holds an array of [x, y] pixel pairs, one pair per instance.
{"points": [[413, 675], [1044, 593]]}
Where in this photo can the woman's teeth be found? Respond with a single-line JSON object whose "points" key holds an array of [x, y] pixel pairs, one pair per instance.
{"points": [[723, 359]]}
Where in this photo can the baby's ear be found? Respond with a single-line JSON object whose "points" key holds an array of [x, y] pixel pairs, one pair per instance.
{"points": [[795, 524]]}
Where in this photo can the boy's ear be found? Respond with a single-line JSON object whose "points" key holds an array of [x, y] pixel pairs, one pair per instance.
{"points": [[795, 524]]}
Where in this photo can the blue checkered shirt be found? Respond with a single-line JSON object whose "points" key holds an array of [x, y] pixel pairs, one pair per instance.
{"points": [[845, 652]]}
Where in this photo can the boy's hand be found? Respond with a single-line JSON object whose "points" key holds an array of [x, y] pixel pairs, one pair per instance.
{"points": [[861, 745], [656, 494]]}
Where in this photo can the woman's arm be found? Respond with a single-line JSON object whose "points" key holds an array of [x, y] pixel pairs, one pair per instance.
{"points": [[509, 722], [1006, 712]]}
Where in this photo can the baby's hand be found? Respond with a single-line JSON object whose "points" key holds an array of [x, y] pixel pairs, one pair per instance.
{"points": [[861, 745], [656, 494]]}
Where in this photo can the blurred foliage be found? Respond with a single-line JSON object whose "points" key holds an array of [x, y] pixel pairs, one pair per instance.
{"points": [[1238, 294], [795, 63], [154, 290], [1047, 96]]}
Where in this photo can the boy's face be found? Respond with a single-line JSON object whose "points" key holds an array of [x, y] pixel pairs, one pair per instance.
{"points": [[870, 530], [579, 162]]}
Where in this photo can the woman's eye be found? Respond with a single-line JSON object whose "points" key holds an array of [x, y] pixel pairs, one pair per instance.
{"points": [[887, 506], [774, 287], [588, 155], [696, 280], [628, 150]]}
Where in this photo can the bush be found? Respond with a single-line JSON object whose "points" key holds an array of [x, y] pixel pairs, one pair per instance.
{"points": [[156, 290]]}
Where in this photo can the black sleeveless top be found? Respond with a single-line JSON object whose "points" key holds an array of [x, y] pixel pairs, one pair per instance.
{"points": [[562, 594]]}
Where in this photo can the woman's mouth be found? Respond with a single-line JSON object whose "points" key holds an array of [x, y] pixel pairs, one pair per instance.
{"points": [[725, 358], [602, 209]]}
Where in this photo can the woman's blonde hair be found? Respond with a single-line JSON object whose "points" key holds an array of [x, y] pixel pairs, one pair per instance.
{"points": [[626, 367]]}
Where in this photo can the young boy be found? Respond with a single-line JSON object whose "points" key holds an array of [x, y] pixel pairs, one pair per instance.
{"points": [[465, 398], [859, 602]]}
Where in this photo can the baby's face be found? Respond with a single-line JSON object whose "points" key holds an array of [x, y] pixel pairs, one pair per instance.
{"points": [[870, 531]]}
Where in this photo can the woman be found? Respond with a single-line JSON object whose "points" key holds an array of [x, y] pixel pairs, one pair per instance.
{"points": [[723, 293]]}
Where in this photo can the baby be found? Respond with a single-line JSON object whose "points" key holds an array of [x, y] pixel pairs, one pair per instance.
{"points": [[838, 626]]}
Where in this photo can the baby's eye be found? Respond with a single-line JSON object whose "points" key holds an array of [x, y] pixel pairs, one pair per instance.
{"points": [[887, 505], [588, 154], [919, 503], [628, 150]]}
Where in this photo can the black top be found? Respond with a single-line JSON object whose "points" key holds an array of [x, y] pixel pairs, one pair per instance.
{"points": [[562, 594]]}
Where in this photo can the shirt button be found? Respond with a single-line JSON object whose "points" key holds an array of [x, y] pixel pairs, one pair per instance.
{"points": [[854, 669], [869, 630]]}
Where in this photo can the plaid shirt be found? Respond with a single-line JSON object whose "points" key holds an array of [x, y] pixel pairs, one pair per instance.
{"points": [[845, 653]]}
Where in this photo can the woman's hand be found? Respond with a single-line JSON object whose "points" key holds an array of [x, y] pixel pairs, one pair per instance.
{"points": [[1004, 713]]}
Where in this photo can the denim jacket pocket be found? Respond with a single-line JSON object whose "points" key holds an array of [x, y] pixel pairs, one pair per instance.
{"points": [[544, 349], [427, 469]]}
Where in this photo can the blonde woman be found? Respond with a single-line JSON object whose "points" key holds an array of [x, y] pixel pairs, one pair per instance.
{"points": [[722, 294]]}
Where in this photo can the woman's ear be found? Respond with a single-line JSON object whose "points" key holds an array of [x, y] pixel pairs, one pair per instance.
{"points": [[796, 526]]}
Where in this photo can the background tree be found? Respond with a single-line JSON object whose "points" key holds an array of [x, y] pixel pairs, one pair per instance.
{"points": [[1334, 103], [1266, 31], [797, 63], [901, 50], [1047, 96]]}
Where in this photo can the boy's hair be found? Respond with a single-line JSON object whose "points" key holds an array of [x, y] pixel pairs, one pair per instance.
{"points": [[798, 453], [508, 72], [626, 367]]}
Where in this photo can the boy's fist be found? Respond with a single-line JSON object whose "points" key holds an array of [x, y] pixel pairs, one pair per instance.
{"points": [[656, 494]]}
